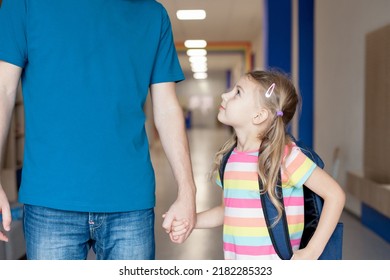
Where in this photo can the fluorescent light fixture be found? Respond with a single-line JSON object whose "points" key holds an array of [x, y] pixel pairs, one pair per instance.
{"points": [[195, 44], [198, 59], [198, 64], [200, 76], [191, 14], [198, 67], [196, 52]]}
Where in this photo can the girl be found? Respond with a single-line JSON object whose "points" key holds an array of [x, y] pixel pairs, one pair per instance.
{"points": [[259, 108]]}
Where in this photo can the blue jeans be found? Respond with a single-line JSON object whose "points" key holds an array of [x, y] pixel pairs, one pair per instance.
{"points": [[65, 235]]}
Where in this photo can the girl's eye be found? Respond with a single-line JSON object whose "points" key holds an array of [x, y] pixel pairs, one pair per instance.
{"points": [[238, 92]]}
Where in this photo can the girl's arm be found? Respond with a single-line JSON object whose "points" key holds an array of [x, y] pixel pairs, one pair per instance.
{"points": [[325, 186], [210, 218]]}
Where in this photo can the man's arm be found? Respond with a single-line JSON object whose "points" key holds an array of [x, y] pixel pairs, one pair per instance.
{"points": [[9, 79], [169, 121]]}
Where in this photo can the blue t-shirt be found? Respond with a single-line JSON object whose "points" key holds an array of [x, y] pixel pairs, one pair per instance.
{"points": [[87, 67]]}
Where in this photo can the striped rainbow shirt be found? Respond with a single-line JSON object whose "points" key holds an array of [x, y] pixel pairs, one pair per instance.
{"points": [[245, 233]]}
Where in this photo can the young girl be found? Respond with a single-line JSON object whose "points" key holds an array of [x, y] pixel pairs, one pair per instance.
{"points": [[259, 108]]}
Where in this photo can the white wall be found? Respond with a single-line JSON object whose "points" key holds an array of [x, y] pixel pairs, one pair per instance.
{"points": [[340, 29], [258, 51]]}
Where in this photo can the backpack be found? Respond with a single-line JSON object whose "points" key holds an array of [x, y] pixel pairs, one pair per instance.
{"points": [[313, 204]]}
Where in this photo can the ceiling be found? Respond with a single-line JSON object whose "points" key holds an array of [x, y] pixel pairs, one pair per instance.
{"points": [[226, 21]]}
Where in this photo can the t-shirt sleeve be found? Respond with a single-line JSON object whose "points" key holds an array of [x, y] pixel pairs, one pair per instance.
{"points": [[297, 168], [166, 67], [13, 40]]}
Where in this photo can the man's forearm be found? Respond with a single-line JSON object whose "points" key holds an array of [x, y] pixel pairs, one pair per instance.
{"points": [[173, 137], [169, 121], [7, 100], [9, 79]]}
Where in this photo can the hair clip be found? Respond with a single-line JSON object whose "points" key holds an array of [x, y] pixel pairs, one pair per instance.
{"points": [[279, 113], [270, 90]]}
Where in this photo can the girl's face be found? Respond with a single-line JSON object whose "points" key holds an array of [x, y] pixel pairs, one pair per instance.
{"points": [[239, 105]]}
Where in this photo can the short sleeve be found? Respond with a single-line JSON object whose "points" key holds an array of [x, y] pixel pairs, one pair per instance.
{"points": [[166, 67], [297, 168], [13, 41]]}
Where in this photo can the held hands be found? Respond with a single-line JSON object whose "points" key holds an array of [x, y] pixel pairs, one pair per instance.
{"points": [[178, 229], [6, 214], [179, 210]]}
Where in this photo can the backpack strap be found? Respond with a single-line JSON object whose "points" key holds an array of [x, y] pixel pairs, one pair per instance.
{"points": [[313, 202], [278, 233]]}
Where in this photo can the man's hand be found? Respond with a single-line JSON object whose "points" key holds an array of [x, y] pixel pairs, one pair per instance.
{"points": [[6, 214], [179, 210]]}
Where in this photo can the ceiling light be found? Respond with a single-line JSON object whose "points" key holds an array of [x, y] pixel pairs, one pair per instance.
{"points": [[191, 14], [197, 64], [197, 59], [195, 44], [196, 52], [200, 76], [199, 68]]}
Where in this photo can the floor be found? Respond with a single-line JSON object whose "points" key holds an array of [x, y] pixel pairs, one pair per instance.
{"points": [[360, 243]]}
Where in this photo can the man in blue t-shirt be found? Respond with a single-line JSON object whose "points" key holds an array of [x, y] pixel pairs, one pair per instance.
{"points": [[86, 69]]}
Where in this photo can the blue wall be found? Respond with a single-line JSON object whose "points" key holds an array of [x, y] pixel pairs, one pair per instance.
{"points": [[375, 221], [306, 70], [277, 33], [278, 53]]}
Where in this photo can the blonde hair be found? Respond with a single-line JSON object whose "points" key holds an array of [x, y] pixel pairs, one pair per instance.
{"points": [[274, 139]]}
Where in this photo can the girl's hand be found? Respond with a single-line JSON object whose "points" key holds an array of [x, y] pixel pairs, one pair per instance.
{"points": [[303, 254], [178, 228]]}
